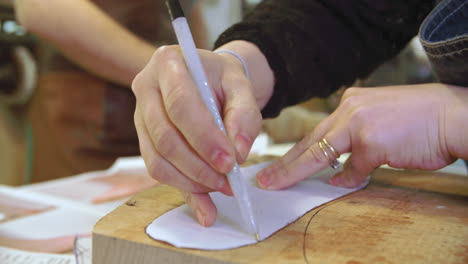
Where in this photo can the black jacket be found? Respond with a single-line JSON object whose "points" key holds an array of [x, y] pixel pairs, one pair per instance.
{"points": [[316, 46]]}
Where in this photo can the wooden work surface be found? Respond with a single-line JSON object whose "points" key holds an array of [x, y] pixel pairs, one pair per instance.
{"points": [[401, 217]]}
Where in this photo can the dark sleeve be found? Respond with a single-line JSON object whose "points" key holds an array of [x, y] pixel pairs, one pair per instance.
{"points": [[316, 46]]}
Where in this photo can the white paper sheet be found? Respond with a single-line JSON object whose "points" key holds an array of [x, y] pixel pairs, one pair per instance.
{"points": [[274, 210], [50, 224]]}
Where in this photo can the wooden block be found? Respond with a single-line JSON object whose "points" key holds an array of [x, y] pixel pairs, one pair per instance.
{"points": [[382, 223]]}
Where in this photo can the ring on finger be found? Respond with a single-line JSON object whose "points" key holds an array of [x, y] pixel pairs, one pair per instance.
{"points": [[330, 153]]}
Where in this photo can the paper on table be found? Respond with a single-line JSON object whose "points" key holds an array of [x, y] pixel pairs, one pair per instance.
{"points": [[273, 209], [50, 224], [126, 177]]}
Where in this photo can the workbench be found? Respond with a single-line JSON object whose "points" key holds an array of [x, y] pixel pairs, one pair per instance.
{"points": [[400, 217]]}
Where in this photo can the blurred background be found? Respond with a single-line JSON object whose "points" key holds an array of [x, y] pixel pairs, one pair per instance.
{"points": [[59, 116]]}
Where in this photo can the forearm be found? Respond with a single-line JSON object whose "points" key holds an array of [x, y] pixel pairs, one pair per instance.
{"points": [[314, 47], [86, 35]]}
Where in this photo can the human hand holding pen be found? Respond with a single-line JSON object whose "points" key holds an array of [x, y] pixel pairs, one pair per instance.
{"points": [[179, 141]]}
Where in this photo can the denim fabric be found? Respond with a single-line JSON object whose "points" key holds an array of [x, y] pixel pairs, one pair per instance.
{"points": [[444, 35]]}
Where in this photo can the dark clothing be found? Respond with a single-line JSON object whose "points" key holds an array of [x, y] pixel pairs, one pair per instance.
{"points": [[316, 46]]}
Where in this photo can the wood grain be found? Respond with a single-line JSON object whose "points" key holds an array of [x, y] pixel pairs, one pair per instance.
{"points": [[383, 223]]}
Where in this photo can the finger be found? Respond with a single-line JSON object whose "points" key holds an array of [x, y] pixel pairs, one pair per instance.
{"points": [[243, 119], [158, 167], [202, 207], [189, 114], [307, 147], [169, 143], [281, 175], [319, 131], [365, 158], [324, 126], [352, 175]]}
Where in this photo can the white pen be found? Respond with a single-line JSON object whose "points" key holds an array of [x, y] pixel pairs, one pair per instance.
{"points": [[192, 59]]}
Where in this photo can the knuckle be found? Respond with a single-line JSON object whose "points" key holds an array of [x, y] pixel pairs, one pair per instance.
{"points": [[164, 53], [351, 102], [161, 56], [349, 92]]}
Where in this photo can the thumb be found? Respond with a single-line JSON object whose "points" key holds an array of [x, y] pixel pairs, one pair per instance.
{"points": [[356, 169], [242, 116]]}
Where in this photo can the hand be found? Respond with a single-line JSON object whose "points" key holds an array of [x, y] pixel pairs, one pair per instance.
{"points": [[179, 140], [402, 126]]}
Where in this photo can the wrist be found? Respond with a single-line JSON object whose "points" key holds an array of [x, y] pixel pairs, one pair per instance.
{"points": [[261, 75], [456, 123]]}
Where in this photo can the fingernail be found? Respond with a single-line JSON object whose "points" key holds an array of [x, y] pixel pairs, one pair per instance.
{"points": [[265, 179], [201, 217], [242, 145], [222, 161]]}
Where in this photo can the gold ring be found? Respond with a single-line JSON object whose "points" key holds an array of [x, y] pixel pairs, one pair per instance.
{"points": [[330, 153]]}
